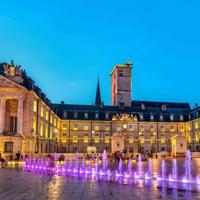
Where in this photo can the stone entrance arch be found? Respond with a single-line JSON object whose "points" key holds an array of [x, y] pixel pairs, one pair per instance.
{"points": [[117, 143]]}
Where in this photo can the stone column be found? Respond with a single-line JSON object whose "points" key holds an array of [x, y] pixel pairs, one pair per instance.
{"points": [[2, 114], [20, 117]]}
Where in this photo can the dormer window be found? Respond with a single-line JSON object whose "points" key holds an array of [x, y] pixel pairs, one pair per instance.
{"points": [[96, 115], [86, 115], [75, 115], [171, 117], [107, 115], [161, 117], [142, 106], [151, 117], [163, 107], [65, 114], [181, 118], [141, 117]]}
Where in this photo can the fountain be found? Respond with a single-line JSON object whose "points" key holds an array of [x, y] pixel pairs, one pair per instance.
{"points": [[150, 168], [174, 169], [104, 159], [139, 165], [163, 165], [96, 170], [187, 165]]}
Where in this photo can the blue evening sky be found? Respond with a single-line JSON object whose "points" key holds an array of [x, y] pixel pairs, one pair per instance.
{"points": [[63, 45]]}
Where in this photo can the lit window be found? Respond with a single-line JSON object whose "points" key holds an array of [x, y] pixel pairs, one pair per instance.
{"points": [[141, 117], [142, 106], [65, 114], [151, 117], [34, 124], [142, 128], [41, 111], [107, 138], [171, 117], [162, 128], [196, 125], [163, 107], [86, 115], [64, 126], [75, 127], [172, 128], [161, 117], [181, 118], [8, 148], [86, 128], [119, 128], [46, 131], [130, 139], [107, 127], [55, 121], [96, 138], [75, 139], [41, 128], [85, 138], [96, 128], [51, 119], [35, 106], [163, 139], [47, 115], [51, 133], [107, 115], [75, 115], [197, 137], [131, 127], [96, 115], [152, 128]]}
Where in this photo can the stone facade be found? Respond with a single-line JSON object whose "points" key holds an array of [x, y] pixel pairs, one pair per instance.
{"points": [[121, 78], [31, 125]]}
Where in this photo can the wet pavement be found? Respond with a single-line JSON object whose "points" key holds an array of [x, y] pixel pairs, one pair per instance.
{"points": [[16, 184]]}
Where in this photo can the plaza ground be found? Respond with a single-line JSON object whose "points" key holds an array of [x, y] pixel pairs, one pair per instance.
{"points": [[19, 185]]}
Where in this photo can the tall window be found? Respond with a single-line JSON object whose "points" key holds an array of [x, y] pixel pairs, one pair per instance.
{"points": [[13, 124], [8, 148], [41, 111], [35, 106]]}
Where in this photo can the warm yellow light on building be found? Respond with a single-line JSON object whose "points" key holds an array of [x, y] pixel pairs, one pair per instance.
{"points": [[41, 128], [35, 106], [41, 111]]}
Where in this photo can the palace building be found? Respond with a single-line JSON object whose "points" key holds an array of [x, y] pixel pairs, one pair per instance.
{"points": [[32, 124]]}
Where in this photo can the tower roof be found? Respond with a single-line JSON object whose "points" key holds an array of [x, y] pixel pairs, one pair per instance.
{"points": [[98, 95]]}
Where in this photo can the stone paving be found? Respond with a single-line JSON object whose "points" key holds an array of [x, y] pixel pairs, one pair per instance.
{"points": [[19, 185]]}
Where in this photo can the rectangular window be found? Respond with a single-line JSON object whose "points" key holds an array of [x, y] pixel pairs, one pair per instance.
{"points": [[96, 127], [75, 115], [86, 115], [86, 128], [46, 131], [35, 106], [8, 148], [96, 138], [64, 126], [96, 115], [171, 117], [75, 139], [131, 140], [161, 117], [107, 127], [41, 111], [107, 115], [34, 124], [75, 127], [196, 125], [47, 115], [13, 124], [41, 128], [85, 138], [51, 119]]}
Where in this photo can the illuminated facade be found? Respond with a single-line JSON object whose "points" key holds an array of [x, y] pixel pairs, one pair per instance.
{"points": [[31, 124]]}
